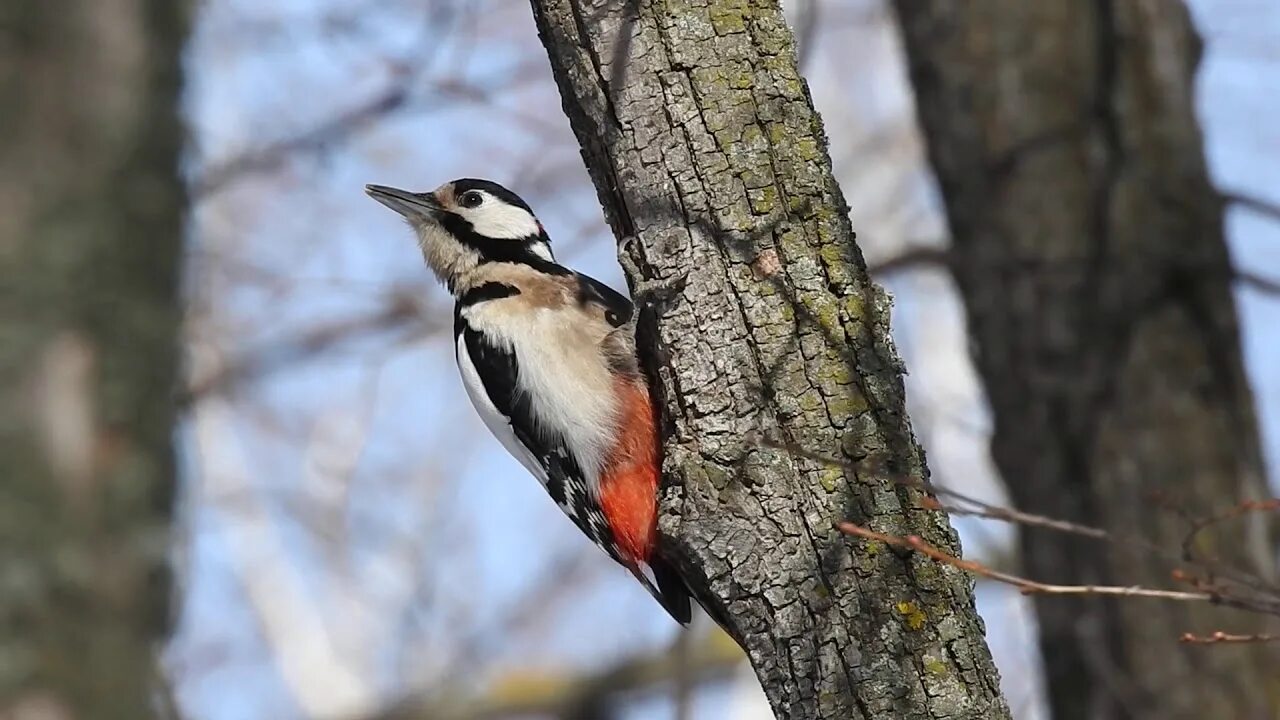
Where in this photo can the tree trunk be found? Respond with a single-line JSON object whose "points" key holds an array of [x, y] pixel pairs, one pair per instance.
{"points": [[1088, 245], [703, 144], [90, 234]]}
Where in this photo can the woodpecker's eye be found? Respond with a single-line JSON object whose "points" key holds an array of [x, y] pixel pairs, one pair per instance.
{"points": [[471, 199]]}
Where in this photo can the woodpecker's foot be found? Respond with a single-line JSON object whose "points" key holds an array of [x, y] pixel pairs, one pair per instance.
{"points": [[658, 290], [627, 260], [648, 291]]}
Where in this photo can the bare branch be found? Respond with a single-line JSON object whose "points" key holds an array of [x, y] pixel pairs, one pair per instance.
{"points": [[400, 311], [1258, 282], [934, 257], [1244, 508], [980, 508], [996, 512], [1253, 203], [1220, 637], [1027, 586], [913, 259], [1246, 587], [327, 132], [321, 679]]}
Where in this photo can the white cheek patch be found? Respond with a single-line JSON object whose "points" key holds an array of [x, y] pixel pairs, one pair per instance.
{"points": [[497, 219]]}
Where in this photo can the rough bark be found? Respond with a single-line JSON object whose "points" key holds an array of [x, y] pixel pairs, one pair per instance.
{"points": [[703, 143], [1088, 246], [90, 233]]}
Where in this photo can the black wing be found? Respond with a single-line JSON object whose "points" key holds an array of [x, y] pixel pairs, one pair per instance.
{"points": [[672, 592], [617, 307]]}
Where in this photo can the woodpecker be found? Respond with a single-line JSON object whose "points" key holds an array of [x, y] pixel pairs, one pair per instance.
{"points": [[548, 358]]}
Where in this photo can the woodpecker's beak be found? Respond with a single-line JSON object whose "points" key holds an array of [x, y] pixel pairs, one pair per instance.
{"points": [[413, 206]]}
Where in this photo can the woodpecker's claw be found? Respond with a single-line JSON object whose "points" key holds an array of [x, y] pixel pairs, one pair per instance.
{"points": [[648, 291], [626, 260], [658, 290]]}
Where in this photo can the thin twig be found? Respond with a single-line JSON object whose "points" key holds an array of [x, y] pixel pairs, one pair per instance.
{"points": [[1258, 282], [1221, 637], [1244, 508], [996, 512], [912, 259], [219, 176], [1253, 203], [400, 311], [1027, 586], [918, 258], [980, 508]]}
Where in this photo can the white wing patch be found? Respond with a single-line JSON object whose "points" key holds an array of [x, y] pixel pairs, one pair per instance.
{"points": [[542, 250], [498, 424]]}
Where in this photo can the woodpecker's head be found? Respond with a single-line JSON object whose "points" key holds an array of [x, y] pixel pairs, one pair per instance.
{"points": [[467, 222]]}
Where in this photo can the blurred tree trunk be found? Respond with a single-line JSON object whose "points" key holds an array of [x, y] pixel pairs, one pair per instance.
{"points": [[90, 233], [1088, 246], [703, 143]]}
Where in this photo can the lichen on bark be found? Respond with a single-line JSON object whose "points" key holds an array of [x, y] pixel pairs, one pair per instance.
{"points": [[704, 145]]}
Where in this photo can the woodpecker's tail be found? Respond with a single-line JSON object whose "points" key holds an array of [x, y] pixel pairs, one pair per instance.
{"points": [[664, 584]]}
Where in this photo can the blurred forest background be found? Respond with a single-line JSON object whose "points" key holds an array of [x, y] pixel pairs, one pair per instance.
{"points": [[350, 542]]}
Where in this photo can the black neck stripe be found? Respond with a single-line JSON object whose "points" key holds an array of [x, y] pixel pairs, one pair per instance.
{"points": [[487, 291], [512, 250]]}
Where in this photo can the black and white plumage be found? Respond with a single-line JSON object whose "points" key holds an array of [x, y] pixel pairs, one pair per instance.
{"points": [[547, 356], [491, 375]]}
